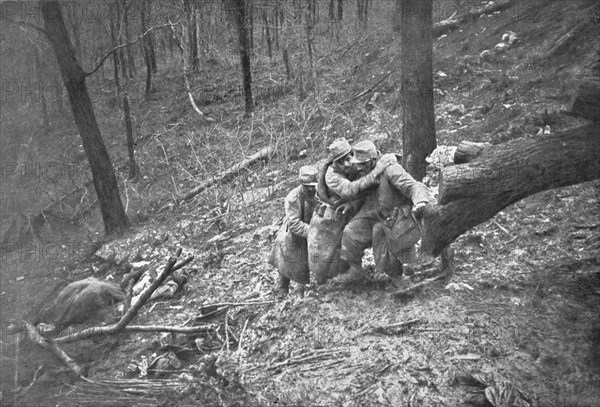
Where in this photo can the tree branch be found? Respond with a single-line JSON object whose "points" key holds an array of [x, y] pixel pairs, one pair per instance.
{"points": [[133, 310], [52, 347], [26, 24], [86, 74]]}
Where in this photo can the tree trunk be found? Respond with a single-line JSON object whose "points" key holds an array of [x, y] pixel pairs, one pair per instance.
{"points": [[146, 49], [331, 10], [361, 12], [60, 106], [310, 23], [340, 10], [418, 119], [130, 58], [193, 36], [502, 175], [468, 150], [38, 72], [151, 45], [249, 23], [267, 35], [397, 16], [103, 175], [133, 167], [586, 102], [238, 11], [118, 31]]}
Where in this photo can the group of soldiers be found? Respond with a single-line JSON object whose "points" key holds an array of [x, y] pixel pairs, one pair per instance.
{"points": [[356, 199]]}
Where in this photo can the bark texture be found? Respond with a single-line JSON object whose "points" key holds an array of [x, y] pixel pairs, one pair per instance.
{"points": [[103, 175], [502, 175]]}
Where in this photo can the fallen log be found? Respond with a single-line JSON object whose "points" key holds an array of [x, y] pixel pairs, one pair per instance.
{"points": [[472, 193], [468, 150], [263, 154], [452, 23], [586, 102]]}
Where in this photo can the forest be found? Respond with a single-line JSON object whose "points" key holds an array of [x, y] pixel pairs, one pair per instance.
{"points": [[149, 145]]}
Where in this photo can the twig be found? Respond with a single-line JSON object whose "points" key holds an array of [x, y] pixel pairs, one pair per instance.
{"points": [[386, 329], [502, 228], [263, 154], [236, 304], [361, 94], [169, 328], [191, 97], [242, 335], [125, 45], [409, 290]]}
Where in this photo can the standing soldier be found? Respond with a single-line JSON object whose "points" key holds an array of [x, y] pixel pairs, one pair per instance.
{"points": [[290, 251]]}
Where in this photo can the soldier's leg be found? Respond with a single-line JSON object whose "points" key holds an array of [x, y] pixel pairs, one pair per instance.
{"points": [[284, 284], [385, 260], [356, 238]]}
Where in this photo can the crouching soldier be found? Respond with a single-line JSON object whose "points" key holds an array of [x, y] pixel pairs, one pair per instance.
{"points": [[290, 251], [341, 191], [387, 219]]}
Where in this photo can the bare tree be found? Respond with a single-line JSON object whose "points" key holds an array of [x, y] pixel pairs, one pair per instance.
{"points": [[103, 175], [238, 9], [418, 118]]}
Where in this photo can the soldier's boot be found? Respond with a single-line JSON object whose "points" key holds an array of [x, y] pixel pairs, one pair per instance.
{"points": [[283, 287], [354, 275]]}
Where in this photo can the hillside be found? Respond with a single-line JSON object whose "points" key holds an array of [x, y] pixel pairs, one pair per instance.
{"points": [[520, 310]]}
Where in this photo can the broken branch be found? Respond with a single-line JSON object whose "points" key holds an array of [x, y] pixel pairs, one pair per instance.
{"points": [[37, 338], [403, 293], [263, 154]]}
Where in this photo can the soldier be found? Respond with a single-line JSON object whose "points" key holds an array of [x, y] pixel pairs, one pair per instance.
{"points": [[290, 253], [339, 190], [386, 220]]}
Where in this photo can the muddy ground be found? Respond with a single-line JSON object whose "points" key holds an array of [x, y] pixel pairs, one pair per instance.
{"points": [[518, 315]]}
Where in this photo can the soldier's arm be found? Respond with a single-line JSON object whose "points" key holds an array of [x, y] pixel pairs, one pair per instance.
{"points": [[293, 212], [346, 189], [406, 184]]}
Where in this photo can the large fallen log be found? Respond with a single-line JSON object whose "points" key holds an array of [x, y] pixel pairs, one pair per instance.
{"points": [[263, 154], [452, 23], [586, 102], [472, 193], [467, 150]]}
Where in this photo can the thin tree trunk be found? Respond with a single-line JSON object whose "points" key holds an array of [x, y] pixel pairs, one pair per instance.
{"points": [[268, 35], [249, 22], [103, 175], [119, 36], [238, 10], [331, 10], [151, 45], [130, 58], [276, 26], [146, 49], [193, 37], [310, 43], [39, 77], [418, 119], [60, 106]]}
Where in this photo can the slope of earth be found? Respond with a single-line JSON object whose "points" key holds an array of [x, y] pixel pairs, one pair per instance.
{"points": [[519, 312]]}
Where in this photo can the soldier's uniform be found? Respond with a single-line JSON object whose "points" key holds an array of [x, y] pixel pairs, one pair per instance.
{"points": [[383, 208], [290, 251]]}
